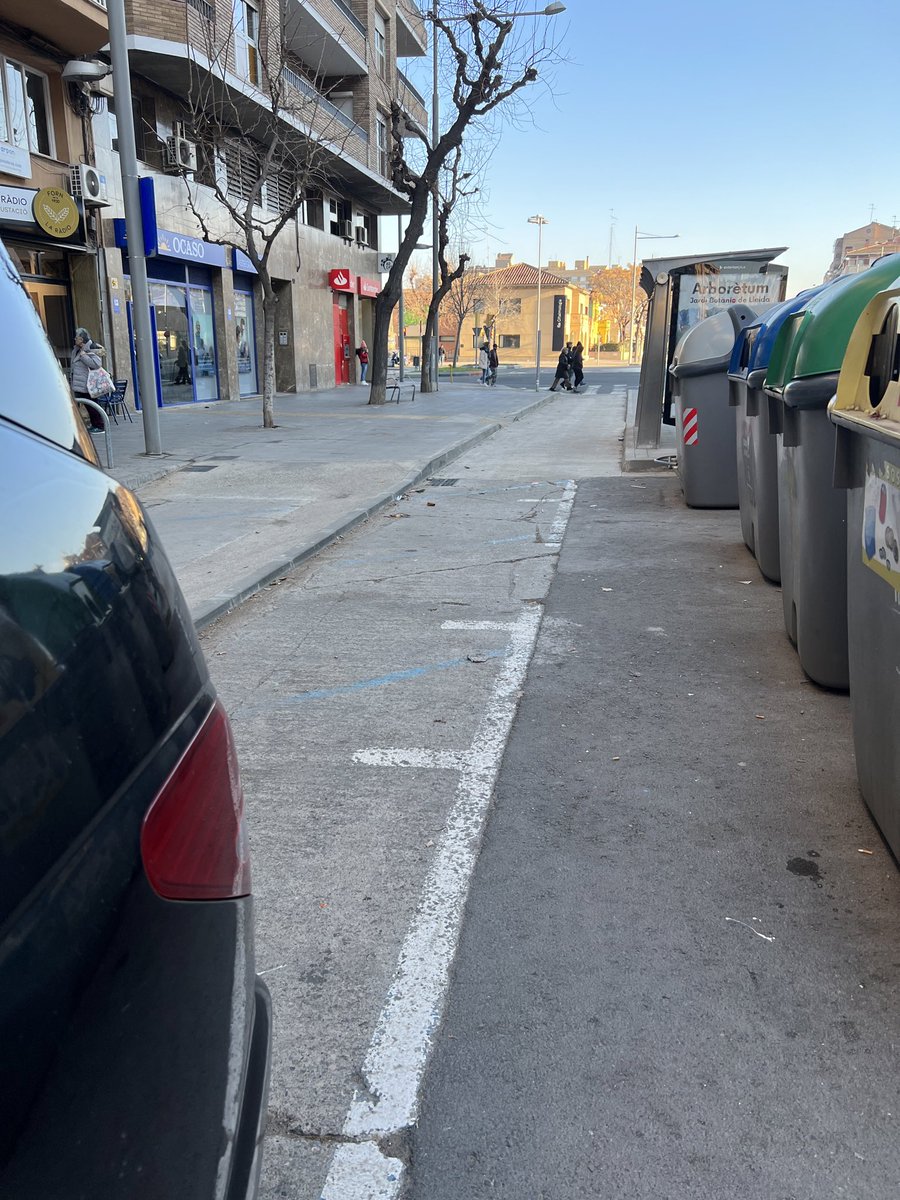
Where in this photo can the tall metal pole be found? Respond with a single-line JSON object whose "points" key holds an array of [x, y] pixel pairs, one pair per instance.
{"points": [[633, 297], [435, 137], [401, 339], [540, 222], [140, 292]]}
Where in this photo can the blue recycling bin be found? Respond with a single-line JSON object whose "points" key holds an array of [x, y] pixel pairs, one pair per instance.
{"points": [[756, 423]]}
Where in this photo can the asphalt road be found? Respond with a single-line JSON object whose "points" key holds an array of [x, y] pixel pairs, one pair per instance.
{"points": [[601, 380], [677, 976]]}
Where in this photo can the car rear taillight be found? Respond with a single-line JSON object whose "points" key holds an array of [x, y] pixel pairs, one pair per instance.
{"points": [[194, 838]]}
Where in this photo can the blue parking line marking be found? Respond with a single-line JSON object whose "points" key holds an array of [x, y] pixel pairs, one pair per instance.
{"points": [[383, 681]]}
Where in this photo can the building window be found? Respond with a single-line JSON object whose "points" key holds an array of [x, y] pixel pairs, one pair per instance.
{"points": [[380, 44], [314, 209], [246, 31], [241, 170], [281, 189], [340, 218], [143, 113], [25, 109], [511, 308], [381, 144], [509, 341]]}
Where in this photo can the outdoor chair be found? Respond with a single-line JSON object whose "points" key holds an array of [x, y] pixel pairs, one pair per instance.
{"points": [[116, 403]]}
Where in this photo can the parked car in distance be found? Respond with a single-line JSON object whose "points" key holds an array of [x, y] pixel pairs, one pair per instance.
{"points": [[135, 1033]]}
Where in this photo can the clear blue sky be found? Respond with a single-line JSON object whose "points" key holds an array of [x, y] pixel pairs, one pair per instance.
{"points": [[735, 126]]}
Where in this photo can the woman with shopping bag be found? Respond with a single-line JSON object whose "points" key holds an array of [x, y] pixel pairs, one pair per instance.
{"points": [[85, 358]]}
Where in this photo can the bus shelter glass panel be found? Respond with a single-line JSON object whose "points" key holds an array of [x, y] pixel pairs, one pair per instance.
{"points": [[245, 333], [172, 342], [206, 380]]}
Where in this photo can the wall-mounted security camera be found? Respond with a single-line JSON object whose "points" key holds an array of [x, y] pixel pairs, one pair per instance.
{"points": [[79, 70]]}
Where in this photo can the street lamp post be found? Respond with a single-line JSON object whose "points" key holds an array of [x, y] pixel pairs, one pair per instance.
{"points": [[540, 222], [640, 236], [549, 10]]}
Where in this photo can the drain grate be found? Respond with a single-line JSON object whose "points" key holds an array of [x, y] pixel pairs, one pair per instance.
{"points": [[443, 482], [198, 468], [224, 457]]}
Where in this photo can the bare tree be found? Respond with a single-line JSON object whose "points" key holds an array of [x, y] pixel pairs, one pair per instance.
{"points": [[447, 275], [264, 151], [611, 289], [489, 68], [461, 301], [416, 298]]}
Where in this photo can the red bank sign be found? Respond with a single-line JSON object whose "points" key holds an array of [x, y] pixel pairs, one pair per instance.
{"points": [[368, 287], [340, 280]]}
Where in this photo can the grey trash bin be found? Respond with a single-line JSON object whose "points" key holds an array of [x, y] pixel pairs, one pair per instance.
{"points": [[867, 464], [704, 420]]}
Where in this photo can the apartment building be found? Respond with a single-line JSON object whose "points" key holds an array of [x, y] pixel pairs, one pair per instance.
{"points": [[46, 146], [335, 66], [858, 248]]}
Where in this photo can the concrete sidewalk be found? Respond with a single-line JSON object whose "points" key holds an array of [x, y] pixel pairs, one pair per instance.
{"points": [[238, 505]]}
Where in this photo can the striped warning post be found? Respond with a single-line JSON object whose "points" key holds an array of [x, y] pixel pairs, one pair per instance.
{"points": [[691, 427]]}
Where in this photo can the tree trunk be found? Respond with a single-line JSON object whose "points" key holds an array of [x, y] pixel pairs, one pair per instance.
{"points": [[270, 306], [378, 363], [427, 350]]}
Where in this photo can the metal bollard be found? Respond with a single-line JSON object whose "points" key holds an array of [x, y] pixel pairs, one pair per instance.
{"points": [[98, 408]]}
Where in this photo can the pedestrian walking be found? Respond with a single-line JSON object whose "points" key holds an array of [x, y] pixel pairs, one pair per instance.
{"points": [[577, 361], [362, 353], [561, 378], [493, 364], [484, 363], [85, 358]]}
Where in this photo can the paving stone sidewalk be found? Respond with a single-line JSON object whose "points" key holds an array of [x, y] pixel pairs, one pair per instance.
{"points": [[238, 505]]}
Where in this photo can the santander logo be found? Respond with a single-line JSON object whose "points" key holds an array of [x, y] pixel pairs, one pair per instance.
{"points": [[340, 280]]}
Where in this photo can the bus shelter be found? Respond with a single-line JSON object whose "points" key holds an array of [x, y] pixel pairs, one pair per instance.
{"points": [[681, 292]]}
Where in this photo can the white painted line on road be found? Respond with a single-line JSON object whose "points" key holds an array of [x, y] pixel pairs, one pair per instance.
{"points": [[402, 1038], [558, 528], [480, 626], [443, 760], [359, 1171]]}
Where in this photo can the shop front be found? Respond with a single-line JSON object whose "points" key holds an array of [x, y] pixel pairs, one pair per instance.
{"points": [[43, 230], [185, 277], [341, 282]]}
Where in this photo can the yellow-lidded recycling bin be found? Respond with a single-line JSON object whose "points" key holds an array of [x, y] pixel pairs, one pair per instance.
{"points": [[866, 411]]}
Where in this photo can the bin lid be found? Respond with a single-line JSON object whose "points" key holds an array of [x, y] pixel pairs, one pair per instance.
{"points": [[753, 348], [812, 341], [868, 390], [707, 346]]}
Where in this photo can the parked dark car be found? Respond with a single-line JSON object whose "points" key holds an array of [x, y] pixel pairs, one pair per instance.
{"points": [[134, 1032]]}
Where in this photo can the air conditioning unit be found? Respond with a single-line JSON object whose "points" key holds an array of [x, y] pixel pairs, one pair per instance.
{"points": [[181, 153], [89, 185], [362, 235], [346, 228]]}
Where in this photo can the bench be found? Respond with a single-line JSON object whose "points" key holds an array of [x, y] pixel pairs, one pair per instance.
{"points": [[397, 389]]}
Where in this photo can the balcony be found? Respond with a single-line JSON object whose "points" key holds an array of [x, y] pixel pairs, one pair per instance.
{"points": [[412, 34], [327, 36], [412, 102], [326, 118], [75, 26]]}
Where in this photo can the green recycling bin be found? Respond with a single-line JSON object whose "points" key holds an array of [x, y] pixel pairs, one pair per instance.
{"points": [[866, 414], [802, 378]]}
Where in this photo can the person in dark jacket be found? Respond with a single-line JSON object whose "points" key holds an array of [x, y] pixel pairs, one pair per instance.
{"points": [[85, 358], [493, 364], [577, 361], [561, 378]]}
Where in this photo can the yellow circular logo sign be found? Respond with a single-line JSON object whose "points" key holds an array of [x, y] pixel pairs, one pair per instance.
{"points": [[56, 212]]}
